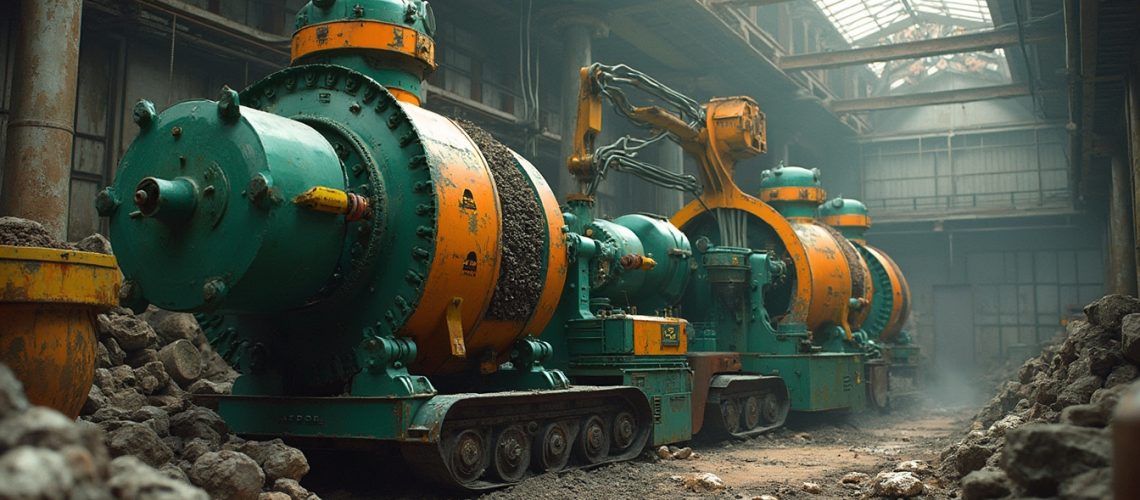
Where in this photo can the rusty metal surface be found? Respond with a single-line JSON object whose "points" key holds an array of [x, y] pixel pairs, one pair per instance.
{"points": [[40, 132], [1121, 272], [705, 365]]}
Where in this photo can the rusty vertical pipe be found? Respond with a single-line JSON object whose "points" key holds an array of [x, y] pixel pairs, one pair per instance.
{"points": [[37, 163], [1133, 122], [1121, 252], [577, 52]]}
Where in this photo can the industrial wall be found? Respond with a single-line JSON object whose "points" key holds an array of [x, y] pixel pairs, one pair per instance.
{"points": [[988, 157], [975, 202], [116, 68], [991, 292], [1022, 168]]}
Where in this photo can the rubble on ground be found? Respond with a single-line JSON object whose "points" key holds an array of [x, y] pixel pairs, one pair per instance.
{"points": [[141, 400], [675, 453], [1045, 433], [701, 482], [140, 435], [897, 485], [44, 454]]}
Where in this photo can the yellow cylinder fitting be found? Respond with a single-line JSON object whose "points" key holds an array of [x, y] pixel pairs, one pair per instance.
{"points": [[334, 201]]}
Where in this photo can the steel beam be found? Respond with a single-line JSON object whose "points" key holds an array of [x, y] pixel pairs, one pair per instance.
{"points": [[744, 3], [929, 98], [41, 128], [924, 48]]}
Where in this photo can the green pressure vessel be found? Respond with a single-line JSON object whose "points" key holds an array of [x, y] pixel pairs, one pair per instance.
{"points": [[343, 226]]}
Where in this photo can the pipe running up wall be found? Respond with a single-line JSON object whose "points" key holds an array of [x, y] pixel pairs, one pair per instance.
{"points": [[37, 163]]}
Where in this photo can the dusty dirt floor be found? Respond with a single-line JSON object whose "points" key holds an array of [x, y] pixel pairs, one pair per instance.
{"points": [[818, 449]]}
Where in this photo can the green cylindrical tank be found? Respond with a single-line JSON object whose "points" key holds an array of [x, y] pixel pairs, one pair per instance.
{"points": [[850, 217], [207, 220], [341, 218], [648, 264], [793, 191]]}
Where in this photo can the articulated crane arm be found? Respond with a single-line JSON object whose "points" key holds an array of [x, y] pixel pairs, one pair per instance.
{"points": [[717, 133]]}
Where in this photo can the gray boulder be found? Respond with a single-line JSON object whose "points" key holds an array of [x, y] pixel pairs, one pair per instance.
{"points": [[1122, 374], [35, 473], [1095, 484], [971, 457], [1079, 391], [201, 423], [140, 441], [277, 459], [95, 243], [293, 489], [45, 428], [1130, 338], [131, 479], [989, 482], [132, 333], [1087, 415], [228, 474], [1039, 457], [1107, 311]]}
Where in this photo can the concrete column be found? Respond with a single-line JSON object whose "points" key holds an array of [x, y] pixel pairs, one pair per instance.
{"points": [[577, 52], [37, 163], [1122, 250]]}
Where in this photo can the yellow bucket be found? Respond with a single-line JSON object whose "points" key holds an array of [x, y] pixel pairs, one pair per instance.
{"points": [[48, 302]]}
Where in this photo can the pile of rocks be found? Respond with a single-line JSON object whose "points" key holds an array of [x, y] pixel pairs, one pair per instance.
{"points": [[1045, 433], [139, 403], [44, 454], [140, 435]]}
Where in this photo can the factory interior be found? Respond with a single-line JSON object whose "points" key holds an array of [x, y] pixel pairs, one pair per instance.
{"points": [[514, 249]]}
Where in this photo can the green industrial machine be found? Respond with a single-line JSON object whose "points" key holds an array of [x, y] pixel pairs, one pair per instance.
{"points": [[773, 291], [740, 301], [887, 312], [385, 277]]}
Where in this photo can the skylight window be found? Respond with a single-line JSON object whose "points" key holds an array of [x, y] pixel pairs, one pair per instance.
{"points": [[868, 23], [862, 22]]}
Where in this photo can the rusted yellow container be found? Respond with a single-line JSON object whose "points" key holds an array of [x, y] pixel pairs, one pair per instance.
{"points": [[48, 302]]}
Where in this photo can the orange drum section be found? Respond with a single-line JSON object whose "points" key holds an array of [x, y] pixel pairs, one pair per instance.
{"points": [[503, 333], [801, 303], [900, 294], [829, 275], [465, 267], [557, 264]]}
